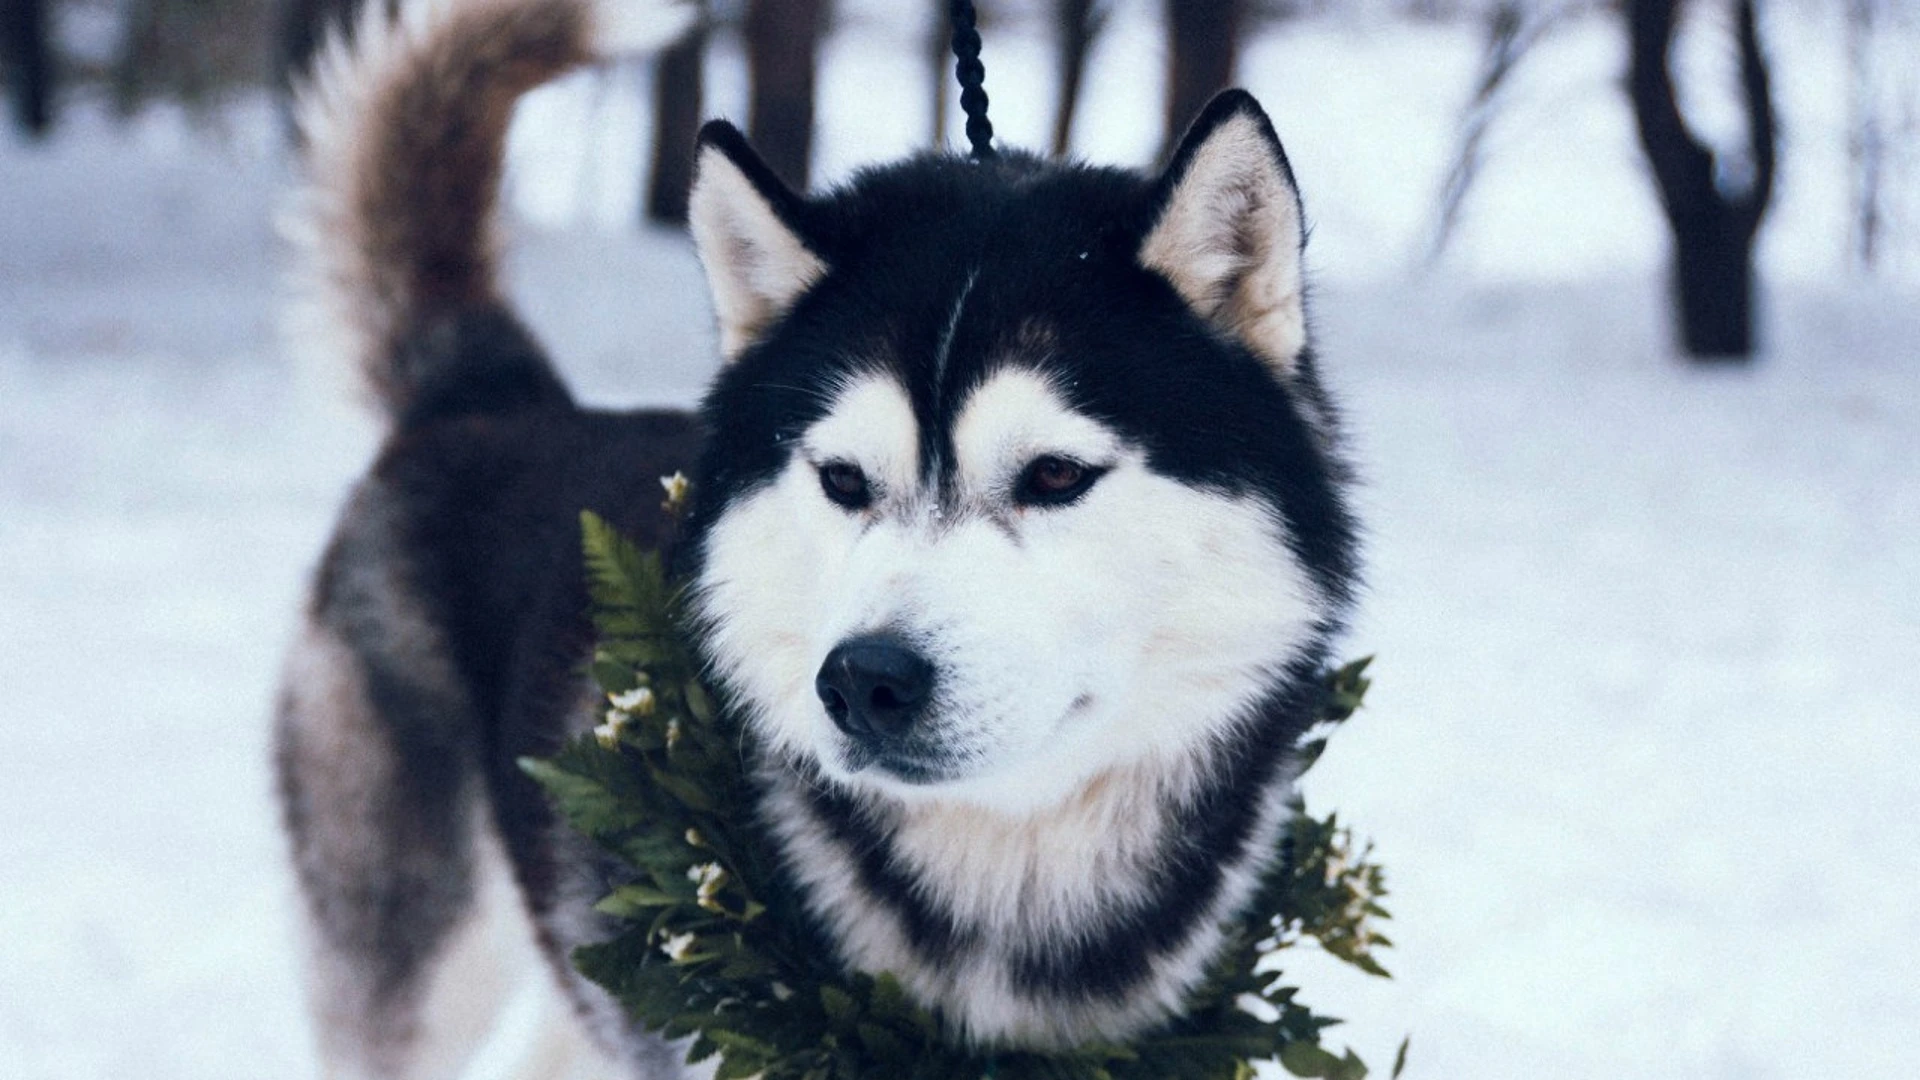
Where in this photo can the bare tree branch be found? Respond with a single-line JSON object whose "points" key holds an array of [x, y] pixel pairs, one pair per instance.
{"points": [[1510, 35], [1762, 130]]}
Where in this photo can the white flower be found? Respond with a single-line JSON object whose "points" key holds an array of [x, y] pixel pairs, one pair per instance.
{"points": [[677, 947], [638, 701], [676, 486], [609, 732], [711, 879]]}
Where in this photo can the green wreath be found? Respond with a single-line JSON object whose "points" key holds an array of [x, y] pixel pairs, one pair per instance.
{"points": [[708, 949]]}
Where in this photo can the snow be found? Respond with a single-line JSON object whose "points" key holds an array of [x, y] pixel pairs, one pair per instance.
{"points": [[1639, 754]]}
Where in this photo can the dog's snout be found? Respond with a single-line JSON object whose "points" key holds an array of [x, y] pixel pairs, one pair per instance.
{"points": [[874, 686]]}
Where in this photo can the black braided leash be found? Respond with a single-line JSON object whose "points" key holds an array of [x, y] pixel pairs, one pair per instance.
{"points": [[973, 79]]}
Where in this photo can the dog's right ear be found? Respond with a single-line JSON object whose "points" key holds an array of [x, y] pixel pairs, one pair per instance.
{"points": [[1228, 234], [744, 226]]}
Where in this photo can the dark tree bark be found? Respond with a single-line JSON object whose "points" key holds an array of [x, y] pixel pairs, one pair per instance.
{"points": [[29, 64], [1203, 38], [783, 45], [1078, 24], [1713, 228], [677, 108]]}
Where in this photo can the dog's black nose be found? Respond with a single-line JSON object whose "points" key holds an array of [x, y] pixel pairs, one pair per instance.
{"points": [[874, 686]]}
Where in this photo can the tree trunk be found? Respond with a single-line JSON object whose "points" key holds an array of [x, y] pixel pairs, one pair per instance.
{"points": [[940, 55], [783, 42], [29, 64], [1077, 23], [677, 108], [1713, 229], [1713, 286], [1203, 38]]}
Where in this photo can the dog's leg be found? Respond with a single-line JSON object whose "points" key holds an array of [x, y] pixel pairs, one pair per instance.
{"points": [[424, 963], [383, 850]]}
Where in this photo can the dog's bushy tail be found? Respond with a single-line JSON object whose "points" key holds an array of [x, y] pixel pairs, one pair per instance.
{"points": [[404, 127]]}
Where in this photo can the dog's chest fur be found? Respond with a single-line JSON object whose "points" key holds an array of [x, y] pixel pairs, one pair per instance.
{"points": [[1095, 915]]}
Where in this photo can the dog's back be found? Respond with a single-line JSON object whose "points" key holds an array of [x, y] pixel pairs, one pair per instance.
{"points": [[445, 631]]}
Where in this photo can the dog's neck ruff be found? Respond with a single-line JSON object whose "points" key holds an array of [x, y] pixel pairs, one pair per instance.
{"points": [[1090, 919]]}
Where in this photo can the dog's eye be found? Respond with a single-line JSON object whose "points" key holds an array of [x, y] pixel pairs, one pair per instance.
{"points": [[845, 484], [1054, 481]]}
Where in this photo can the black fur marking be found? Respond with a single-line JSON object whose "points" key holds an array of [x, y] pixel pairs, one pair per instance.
{"points": [[477, 360], [933, 933]]}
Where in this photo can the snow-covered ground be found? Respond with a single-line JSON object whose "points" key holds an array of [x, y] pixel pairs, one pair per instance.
{"points": [[1640, 757]]}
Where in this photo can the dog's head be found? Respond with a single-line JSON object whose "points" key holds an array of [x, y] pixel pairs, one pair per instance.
{"points": [[1018, 471]]}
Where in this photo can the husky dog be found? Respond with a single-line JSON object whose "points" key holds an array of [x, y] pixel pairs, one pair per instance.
{"points": [[1018, 538]]}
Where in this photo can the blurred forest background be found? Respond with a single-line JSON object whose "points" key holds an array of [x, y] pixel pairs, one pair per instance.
{"points": [[1621, 300], [1714, 172]]}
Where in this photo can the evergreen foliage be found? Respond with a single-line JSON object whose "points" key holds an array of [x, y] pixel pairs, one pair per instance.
{"points": [[710, 950]]}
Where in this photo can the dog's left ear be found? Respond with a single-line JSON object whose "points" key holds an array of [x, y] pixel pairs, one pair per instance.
{"points": [[745, 224], [1227, 230]]}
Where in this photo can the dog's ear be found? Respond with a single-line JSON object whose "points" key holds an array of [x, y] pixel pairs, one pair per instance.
{"points": [[1227, 230], [743, 220]]}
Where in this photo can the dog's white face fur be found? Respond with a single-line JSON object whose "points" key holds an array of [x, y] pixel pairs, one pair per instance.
{"points": [[1140, 620], [1067, 640]]}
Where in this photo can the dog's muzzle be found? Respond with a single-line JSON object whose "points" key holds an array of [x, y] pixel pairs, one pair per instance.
{"points": [[875, 688]]}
